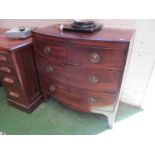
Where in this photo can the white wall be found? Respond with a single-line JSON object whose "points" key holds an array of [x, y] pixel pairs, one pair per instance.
{"points": [[149, 97], [143, 54]]}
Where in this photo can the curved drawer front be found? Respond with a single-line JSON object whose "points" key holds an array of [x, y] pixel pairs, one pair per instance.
{"points": [[76, 97], [97, 57], [90, 79], [53, 52]]}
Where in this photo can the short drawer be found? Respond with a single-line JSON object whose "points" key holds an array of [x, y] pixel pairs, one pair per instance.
{"points": [[7, 70], [51, 51], [9, 80], [14, 92], [5, 57], [78, 98], [91, 79], [4, 52], [97, 57]]}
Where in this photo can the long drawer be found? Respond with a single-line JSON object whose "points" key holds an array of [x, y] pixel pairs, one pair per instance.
{"points": [[92, 79], [77, 97]]}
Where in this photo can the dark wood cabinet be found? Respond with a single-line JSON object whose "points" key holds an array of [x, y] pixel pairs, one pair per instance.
{"points": [[19, 73], [84, 71]]}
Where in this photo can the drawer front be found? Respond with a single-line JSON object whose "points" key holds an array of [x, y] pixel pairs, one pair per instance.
{"points": [[3, 52], [90, 79], [5, 57], [15, 96], [9, 80], [53, 52], [97, 57], [77, 97], [7, 70], [13, 90]]}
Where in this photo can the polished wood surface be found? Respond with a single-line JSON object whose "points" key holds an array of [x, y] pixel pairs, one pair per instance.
{"points": [[19, 73], [107, 34], [83, 71], [106, 80], [76, 98]]}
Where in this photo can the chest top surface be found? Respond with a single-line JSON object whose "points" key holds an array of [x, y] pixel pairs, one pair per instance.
{"points": [[106, 34], [12, 44]]}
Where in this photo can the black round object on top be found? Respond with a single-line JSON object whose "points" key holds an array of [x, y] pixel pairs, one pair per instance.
{"points": [[21, 28]]}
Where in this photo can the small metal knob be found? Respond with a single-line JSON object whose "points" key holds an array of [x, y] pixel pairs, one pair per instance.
{"points": [[14, 94], [49, 69], [92, 100], [93, 79], [9, 80], [47, 50], [5, 69], [51, 88], [94, 57]]}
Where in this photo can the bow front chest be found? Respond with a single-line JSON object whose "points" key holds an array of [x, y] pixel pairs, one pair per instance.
{"points": [[83, 71]]}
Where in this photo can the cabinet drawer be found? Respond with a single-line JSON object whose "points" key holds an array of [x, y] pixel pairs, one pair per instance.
{"points": [[91, 79], [14, 92], [53, 52], [97, 57], [5, 57], [7, 70], [3, 52], [9, 80], [77, 97], [13, 88]]}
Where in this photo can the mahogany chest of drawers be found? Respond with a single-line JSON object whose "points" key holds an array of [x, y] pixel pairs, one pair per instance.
{"points": [[18, 72], [83, 71]]}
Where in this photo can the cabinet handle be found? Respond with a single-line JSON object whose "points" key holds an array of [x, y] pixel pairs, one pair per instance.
{"points": [[93, 79], [3, 58], [94, 57], [9, 80], [5, 69], [92, 100], [47, 50], [49, 69], [14, 94], [51, 88]]}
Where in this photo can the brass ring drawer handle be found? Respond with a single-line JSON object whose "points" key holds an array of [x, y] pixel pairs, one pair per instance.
{"points": [[93, 79], [9, 80], [14, 94], [50, 69], [3, 58], [51, 88], [5, 69], [93, 100], [47, 50], [94, 57]]}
